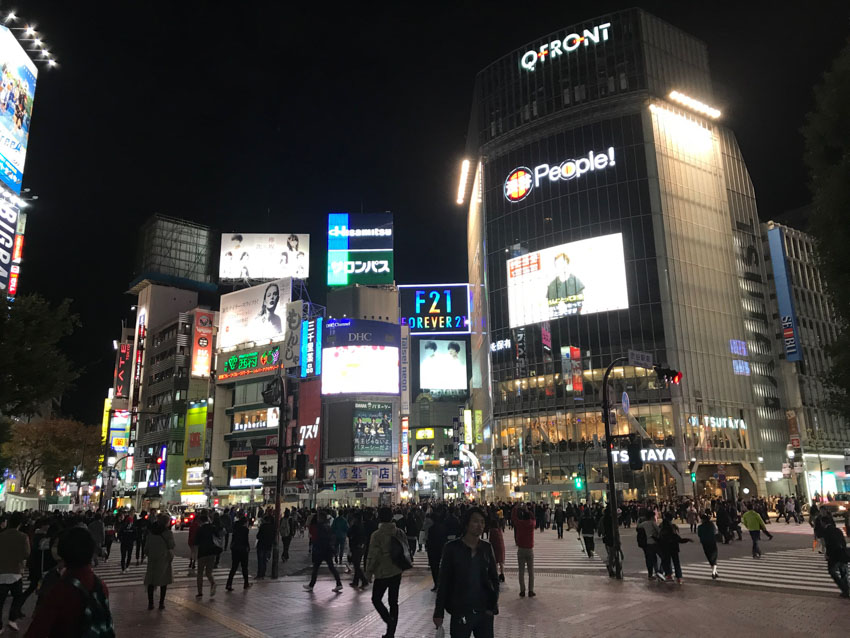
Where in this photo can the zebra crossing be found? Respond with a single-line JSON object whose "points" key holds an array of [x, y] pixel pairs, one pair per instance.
{"points": [[793, 570], [552, 553], [110, 572]]}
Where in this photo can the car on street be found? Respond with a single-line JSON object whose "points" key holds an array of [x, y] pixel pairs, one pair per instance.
{"points": [[838, 505]]}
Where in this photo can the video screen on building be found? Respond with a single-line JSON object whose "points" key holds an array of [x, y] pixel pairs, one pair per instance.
{"points": [[373, 428], [442, 364], [360, 356], [16, 98], [246, 256], [360, 249], [578, 278], [256, 314]]}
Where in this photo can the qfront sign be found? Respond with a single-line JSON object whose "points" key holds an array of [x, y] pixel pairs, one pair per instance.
{"points": [[557, 48], [522, 180], [654, 455]]}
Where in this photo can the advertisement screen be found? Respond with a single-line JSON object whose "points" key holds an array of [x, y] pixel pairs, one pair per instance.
{"points": [[196, 429], [578, 278], [571, 370], [360, 249], [202, 343], [442, 364], [16, 96], [255, 314], [259, 256], [8, 227], [373, 428], [123, 371], [435, 309], [360, 356], [119, 430]]}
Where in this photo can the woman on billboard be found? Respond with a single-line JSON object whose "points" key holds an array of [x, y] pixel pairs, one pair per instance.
{"points": [[267, 325]]}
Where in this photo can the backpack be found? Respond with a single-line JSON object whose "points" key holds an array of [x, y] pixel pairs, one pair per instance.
{"points": [[641, 537], [97, 619], [400, 553]]}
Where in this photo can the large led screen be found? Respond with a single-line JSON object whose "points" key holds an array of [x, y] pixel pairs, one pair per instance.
{"points": [[258, 256], [373, 428], [17, 89], [360, 249], [257, 314], [579, 278], [360, 370], [442, 364]]}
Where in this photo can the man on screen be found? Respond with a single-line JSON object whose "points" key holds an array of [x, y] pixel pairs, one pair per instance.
{"points": [[566, 291]]}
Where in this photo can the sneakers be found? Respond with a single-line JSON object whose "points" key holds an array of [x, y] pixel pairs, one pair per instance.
{"points": [[337, 589], [199, 595], [212, 590], [228, 588], [531, 594], [308, 588], [13, 625], [668, 579], [522, 594], [678, 581]]}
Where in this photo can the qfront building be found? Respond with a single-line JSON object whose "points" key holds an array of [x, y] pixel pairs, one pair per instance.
{"points": [[611, 210]]}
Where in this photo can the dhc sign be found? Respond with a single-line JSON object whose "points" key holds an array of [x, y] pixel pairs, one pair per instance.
{"points": [[557, 48]]}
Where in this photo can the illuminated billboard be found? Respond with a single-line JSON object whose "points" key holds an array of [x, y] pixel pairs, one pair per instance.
{"points": [[8, 231], [579, 278], [434, 308], [256, 314], [784, 296], [119, 431], [202, 343], [123, 371], [196, 429], [373, 428], [442, 364], [17, 89], [360, 357], [246, 256], [360, 249]]}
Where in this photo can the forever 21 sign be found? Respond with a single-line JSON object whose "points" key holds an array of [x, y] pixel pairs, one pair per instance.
{"points": [[435, 308]]}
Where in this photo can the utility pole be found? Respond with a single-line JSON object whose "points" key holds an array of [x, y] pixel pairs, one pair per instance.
{"points": [[612, 489], [283, 418]]}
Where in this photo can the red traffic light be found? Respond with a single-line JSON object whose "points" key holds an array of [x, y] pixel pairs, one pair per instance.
{"points": [[58, 480], [159, 460], [677, 378]]}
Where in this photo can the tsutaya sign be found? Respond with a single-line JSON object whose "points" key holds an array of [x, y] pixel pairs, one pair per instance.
{"points": [[653, 455], [719, 422], [557, 48], [520, 181]]}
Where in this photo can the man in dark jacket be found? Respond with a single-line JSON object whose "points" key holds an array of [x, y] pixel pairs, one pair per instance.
{"points": [[836, 554], [239, 549], [437, 537], [357, 545], [141, 535], [323, 552], [265, 540], [469, 582], [208, 551], [127, 537]]}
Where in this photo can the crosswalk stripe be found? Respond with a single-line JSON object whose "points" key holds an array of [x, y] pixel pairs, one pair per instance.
{"points": [[111, 573]]}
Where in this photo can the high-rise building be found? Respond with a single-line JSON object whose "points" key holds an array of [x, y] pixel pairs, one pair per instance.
{"points": [[611, 210], [805, 326]]}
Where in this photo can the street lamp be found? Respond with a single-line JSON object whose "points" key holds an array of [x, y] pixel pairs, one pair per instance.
{"points": [[442, 478]]}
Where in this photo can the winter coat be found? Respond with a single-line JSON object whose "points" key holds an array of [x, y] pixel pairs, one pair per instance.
{"points": [[160, 553], [380, 562]]}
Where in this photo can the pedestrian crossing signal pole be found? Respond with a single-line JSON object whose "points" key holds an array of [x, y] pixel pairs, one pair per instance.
{"points": [[615, 563]]}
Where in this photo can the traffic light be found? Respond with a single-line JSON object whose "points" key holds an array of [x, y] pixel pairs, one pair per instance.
{"points": [[635, 458], [693, 477], [334, 487], [57, 480], [578, 483], [301, 466], [668, 375], [159, 460], [252, 466]]}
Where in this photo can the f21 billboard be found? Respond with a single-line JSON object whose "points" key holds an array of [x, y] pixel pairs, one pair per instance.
{"points": [[578, 278], [360, 249], [434, 308]]}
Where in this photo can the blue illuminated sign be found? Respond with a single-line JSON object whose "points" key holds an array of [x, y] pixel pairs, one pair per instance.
{"points": [[787, 316], [360, 249], [738, 347], [435, 308], [741, 367], [311, 347]]}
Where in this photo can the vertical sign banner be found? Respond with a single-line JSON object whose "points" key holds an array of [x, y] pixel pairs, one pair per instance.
{"points": [[405, 370], [455, 437], [123, 371], [360, 249], [787, 316], [405, 447], [311, 347], [478, 426], [571, 370], [8, 230], [292, 341], [196, 427], [202, 343], [467, 427]]}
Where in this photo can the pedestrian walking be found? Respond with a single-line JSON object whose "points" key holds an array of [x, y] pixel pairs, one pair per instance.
{"points": [[384, 570], [98, 534], [668, 545], [14, 551], [356, 545], [707, 534], [469, 584], [339, 527], [497, 540], [159, 550], [127, 538], [586, 529], [287, 531], [323, 552], [836, 554], [693, 517], [412, 531], [560, 516], [141, 535], [524, 525], [194, 526], [754, 524], [240, 548], [647, 533], [208, 549], [265, 542], [437, 539], [605, 529], [227, 526]]}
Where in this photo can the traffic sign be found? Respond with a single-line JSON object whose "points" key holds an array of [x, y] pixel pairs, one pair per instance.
{"points": [[640, 359], [626, 403], [795, 441], [581, 467]]}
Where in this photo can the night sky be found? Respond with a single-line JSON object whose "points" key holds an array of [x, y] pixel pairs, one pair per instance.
{"points": [[264, 117]]}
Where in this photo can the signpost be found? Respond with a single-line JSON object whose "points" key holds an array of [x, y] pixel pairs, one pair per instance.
{"points": [[640, 359], [626, 403]]}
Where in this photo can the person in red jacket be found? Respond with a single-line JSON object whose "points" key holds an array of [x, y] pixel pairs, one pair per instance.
{"points": [[524, 523], [61, 610], [193, 532]]}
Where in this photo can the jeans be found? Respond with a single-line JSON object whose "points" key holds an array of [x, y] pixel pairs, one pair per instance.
{"points": [[479, 625], [525, 556], [589, 545], [239, 558], [651, 559], [390, 616], [667, 559], [126, 555], [839, 574], [205, 566], [434, 564], [263, 554], [560, 527], [317, 562], [16, 589], [286, 541], [339, 549], [141, 541], [756, 535], [161, 595]]}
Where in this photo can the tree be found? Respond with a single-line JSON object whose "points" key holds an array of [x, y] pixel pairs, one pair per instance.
{"points": [[32, 367], [54, 446], [827, 138]]}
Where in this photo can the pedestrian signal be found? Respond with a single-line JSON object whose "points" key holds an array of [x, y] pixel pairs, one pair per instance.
{"points": [[578, 483]]}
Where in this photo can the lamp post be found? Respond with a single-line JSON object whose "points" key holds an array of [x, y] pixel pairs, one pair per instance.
{"points": [[442, 478]]}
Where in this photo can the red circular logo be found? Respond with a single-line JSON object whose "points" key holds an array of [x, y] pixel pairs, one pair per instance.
{"points": [[519, 184]]}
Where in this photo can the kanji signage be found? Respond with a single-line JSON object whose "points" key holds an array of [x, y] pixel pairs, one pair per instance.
{"points": [[250, 363]]}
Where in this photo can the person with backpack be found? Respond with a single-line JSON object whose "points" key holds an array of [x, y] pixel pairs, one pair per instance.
{"points": [[323, 552], [647, 531], [240, 548], [14, 551], [208, 550], [159, 550], [469, 582], [389, 555], [77, 604], [707, 533], [836, 554], [127, 538]]}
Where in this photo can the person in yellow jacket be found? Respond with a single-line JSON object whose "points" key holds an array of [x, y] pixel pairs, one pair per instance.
{"points": [[386, 573], [754, 523]]}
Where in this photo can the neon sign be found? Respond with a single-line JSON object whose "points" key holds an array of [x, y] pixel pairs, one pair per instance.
{"points": [[251, 363], [557, 48], [435, 308], [522, 180], [652, 455]]}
